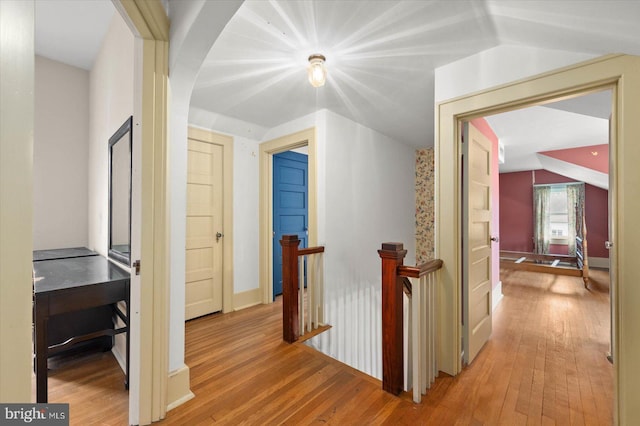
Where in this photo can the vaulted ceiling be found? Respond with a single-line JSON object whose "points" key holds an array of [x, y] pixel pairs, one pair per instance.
{"points": [[381, 55]]}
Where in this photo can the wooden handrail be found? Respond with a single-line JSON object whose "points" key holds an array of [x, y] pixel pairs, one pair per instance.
{"points": [[310, 250], [420, 270]]}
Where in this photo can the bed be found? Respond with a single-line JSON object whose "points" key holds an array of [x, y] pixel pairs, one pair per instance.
{"points": [[576, 266]]}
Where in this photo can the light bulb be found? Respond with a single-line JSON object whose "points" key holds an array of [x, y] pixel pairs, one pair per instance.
{"points": [[317, 72]]}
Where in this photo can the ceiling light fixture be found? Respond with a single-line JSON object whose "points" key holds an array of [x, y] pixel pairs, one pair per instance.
{"points": [[317, 72]]}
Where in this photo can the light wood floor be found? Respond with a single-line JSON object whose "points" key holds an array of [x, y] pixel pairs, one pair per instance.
{"points": [[545, 364]]}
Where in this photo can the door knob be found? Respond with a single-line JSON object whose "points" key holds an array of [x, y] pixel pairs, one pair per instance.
{"points": [[218, 236], [496, 239]]}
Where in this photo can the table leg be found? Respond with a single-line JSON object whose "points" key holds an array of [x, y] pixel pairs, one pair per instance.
{"points": [[41, 348], [128, 300]]}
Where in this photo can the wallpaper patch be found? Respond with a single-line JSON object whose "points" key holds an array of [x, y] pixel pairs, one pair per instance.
{"points": [[425, 184]]}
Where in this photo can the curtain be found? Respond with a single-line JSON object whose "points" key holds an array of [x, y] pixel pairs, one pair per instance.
{"points": [[541, 226], [575, 208]]}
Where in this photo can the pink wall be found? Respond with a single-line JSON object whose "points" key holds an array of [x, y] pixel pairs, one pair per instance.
{"points": [[516, 205], [482, 125], [584, 156], [516, 201]]}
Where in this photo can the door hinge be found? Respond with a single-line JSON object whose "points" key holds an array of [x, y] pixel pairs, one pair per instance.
{"points": [[136, 266]]}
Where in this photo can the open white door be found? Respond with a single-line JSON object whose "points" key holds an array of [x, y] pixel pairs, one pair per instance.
{"points": [[476, 303]]}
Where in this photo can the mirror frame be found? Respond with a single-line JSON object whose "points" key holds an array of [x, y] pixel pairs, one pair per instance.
{"points": [[124, 133]]}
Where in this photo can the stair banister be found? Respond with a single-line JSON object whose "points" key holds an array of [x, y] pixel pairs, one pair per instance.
{"points": [[290, 318], [302, 293], [392, 255]]}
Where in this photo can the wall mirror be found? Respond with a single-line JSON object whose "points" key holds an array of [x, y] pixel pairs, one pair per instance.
{"points": [[120, 194]]}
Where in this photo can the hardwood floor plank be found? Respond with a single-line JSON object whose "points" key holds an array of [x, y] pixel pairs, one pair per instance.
{"points": [[544, 364]]}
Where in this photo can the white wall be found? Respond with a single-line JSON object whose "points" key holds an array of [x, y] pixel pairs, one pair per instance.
{"points": [[369, 182], [366, 197], [111, 95], [246, 222], [499, 65], [60, 154], [111, 103]]}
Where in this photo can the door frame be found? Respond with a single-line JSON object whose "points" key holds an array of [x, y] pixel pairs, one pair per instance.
{"points": [[149, 354], [148, 376], [16, 197], [267, 150], [292, 157], [617, 72], [226, 142]]}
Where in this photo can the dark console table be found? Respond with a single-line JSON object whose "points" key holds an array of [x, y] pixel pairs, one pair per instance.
{"points": [[65, 253], [71, 284]]}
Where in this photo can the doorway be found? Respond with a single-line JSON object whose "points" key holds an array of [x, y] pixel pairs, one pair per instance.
{"points": [[553, 146], [290, 205], [209, 224], [304, 138], [618, 72]]}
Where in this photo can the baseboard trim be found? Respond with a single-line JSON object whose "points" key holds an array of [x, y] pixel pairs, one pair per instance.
{"points": [[599, 262], [178, 391], [246, 299], [496, 296]]}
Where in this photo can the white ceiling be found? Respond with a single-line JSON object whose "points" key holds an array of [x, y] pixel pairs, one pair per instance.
{"points": [[527, 131], [380, 54], [71, 31], [380, 60]]}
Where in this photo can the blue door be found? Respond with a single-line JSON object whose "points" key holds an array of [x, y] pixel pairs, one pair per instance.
{"points": [[290, 209]]}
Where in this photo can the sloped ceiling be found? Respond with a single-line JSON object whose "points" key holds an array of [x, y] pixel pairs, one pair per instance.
{"points": [[529, 131], [380, 54], [380, 60], [588, 164]]}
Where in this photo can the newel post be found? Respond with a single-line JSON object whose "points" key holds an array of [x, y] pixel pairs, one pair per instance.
{"points": [[290, 324], [392, 255]]}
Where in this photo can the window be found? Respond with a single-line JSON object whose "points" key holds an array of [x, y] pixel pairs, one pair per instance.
{"points": [[558, 215]]}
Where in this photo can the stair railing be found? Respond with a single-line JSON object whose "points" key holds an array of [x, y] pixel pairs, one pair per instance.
{"points": [[302, 310], [396, 281]]}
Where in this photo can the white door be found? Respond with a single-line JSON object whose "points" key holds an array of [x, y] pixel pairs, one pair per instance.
{"points": [[203, 281], [477, 242]]}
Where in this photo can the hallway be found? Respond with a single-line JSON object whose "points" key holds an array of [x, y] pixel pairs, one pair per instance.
{"points": [[545, 364]]}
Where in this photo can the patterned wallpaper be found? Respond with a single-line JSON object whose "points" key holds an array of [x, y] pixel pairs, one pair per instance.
{"points": [[424, 205]]}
